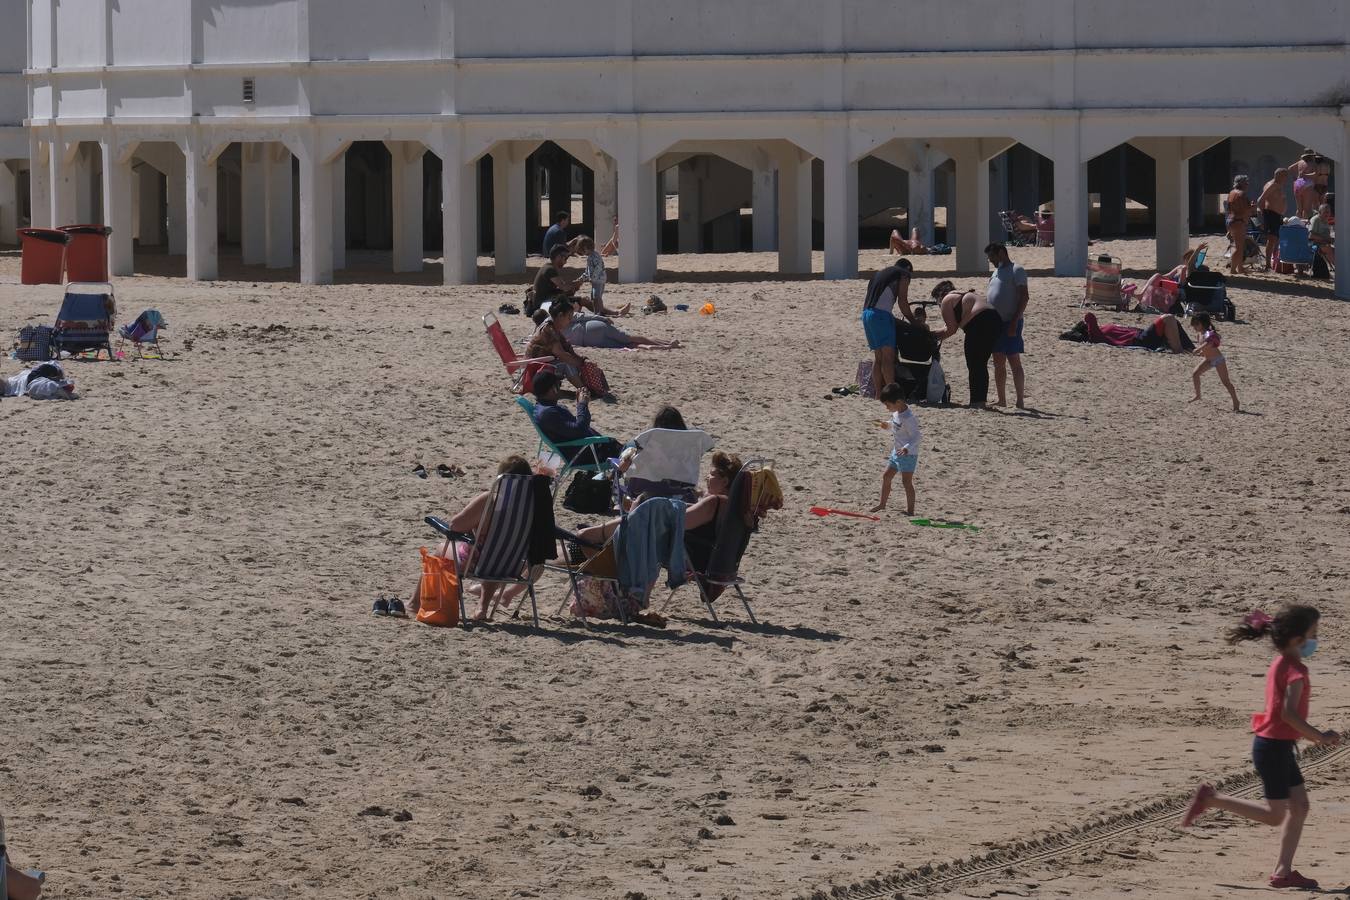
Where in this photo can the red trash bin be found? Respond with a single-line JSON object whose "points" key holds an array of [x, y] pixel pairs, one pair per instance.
{"points": [[44, 255], [87, 255]]}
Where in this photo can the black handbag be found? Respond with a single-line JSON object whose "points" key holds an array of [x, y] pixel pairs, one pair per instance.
{"points": [[588, 495]]}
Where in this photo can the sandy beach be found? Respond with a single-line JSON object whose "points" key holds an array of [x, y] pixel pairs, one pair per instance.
{"points": [[197, 703]]}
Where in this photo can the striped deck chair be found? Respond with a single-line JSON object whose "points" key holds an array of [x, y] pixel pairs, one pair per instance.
{"points": [[499, 546]]}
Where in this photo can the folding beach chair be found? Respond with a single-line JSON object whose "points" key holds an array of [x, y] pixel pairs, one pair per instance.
{"points": [[1045, 230], [522, 371], [643, 522], [1295, 248], [500, 556], [85, 322], [588, 460], [735, 523], [1103, 283], [1015, 237], [667, 462], [145, 330]]}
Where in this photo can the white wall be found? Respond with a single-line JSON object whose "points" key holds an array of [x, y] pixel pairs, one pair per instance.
{"points": [[145, 34], [244, 30], [360, 29]]}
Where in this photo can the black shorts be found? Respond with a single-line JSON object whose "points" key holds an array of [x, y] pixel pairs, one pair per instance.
{"points": [[1277, 764], [1273, 222]]}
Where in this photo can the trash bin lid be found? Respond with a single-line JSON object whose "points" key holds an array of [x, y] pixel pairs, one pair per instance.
{"points": [[100, 230], [46, 234]]}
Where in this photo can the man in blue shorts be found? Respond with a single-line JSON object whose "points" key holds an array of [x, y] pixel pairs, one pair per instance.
{"points": [[1008, 294]]}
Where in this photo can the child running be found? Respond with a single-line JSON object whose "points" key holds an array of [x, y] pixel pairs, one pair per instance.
{"points": [[1209, 349], [905, 454], [1278, 728]]}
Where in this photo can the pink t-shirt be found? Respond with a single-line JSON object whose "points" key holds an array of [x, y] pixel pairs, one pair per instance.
{"points": [[1269, 723]]}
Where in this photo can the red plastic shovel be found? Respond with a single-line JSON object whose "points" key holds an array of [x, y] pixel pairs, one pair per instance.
{"points": [[826, 511]]}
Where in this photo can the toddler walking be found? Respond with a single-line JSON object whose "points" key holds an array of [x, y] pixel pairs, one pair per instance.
{"points": [[595, 274], [1278, 728], [904, 456], [1209, 349]]}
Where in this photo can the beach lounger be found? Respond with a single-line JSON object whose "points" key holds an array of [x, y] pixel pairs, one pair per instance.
{"points": [[522, 371], [1015, 236], [85, 322], [570, 460], [721, 563], [500, 556]]}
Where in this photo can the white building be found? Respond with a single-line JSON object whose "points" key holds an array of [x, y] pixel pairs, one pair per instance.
{"points": [[13, 111], [197, 109]]}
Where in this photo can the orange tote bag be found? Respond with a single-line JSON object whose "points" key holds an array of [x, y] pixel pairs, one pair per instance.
{"points": [[439, 591]]}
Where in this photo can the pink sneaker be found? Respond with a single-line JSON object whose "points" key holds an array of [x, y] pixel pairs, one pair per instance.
{"points": [[1199, 803], [1292, 880]]}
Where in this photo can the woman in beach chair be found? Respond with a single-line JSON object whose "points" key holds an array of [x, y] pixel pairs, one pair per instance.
{"points": [[663, 461], [469, 521]]}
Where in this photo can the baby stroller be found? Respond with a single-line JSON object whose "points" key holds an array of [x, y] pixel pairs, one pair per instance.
{"points": [[145, 330], [917, 367]]}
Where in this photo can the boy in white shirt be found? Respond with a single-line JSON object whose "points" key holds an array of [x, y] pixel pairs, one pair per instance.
{"points": [[904, 456]]}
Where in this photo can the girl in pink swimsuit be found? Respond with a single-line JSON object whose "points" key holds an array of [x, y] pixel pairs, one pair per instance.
{"points": [[1208, 347]]}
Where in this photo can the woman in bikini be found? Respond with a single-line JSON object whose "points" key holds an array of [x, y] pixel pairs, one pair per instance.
{"points": [[1239, 211], [970, 312], [1305, 179]]}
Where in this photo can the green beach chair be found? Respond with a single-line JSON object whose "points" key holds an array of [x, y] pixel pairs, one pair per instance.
{"points": [[588, 460]]}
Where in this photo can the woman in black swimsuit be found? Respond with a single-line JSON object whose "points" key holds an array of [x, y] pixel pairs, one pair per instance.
{"points": [[982, 324]]}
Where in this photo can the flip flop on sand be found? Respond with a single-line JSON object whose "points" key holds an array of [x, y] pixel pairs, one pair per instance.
{"points": [[449, 471]]}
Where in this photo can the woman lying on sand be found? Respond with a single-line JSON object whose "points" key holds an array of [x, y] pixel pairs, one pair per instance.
{"points": [[1162, 334], [467, 521], [589, 330]]}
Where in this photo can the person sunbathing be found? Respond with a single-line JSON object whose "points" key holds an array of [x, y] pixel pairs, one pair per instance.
{"points": [[591, 330], [467, 522], [1162, 333], [906, 247]]}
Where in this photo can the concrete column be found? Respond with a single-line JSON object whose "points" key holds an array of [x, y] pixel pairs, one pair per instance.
{"points": [[253, 203], [117, 211], [1172, 203], [794, 214], [9, 205], [637, 214], [459, 212], [1071, 237], [176, 204], [606, 198], [62, 185], [280, 232], [316, 219], [764, 203], [150, 187], [202, 261], [406, 157], [509, 205], [921, 203], [39, 183], [841, 215], [86, 204], [339, 171], [691, 206], [972, 199]]}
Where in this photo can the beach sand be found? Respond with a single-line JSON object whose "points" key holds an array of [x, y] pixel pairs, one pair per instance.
{"points": [[197, 703]]}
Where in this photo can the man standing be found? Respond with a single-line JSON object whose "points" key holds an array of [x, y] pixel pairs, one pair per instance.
{"points": [[557, 233], [1235, 221], [1272, 206], [1008, 294]]}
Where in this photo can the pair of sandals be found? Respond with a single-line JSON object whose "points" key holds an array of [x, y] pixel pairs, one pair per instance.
{"points": [[654, 304], [442, 470], [391, 606]]}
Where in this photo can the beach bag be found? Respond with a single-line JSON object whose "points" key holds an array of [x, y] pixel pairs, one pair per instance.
{"points": [[439, 591], [937, 390], [588, 496], [35, 343], [594, 379], [865, 385]]}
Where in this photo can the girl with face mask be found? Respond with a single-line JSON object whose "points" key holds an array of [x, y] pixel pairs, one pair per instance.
{"points": [[1278, 728]]}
